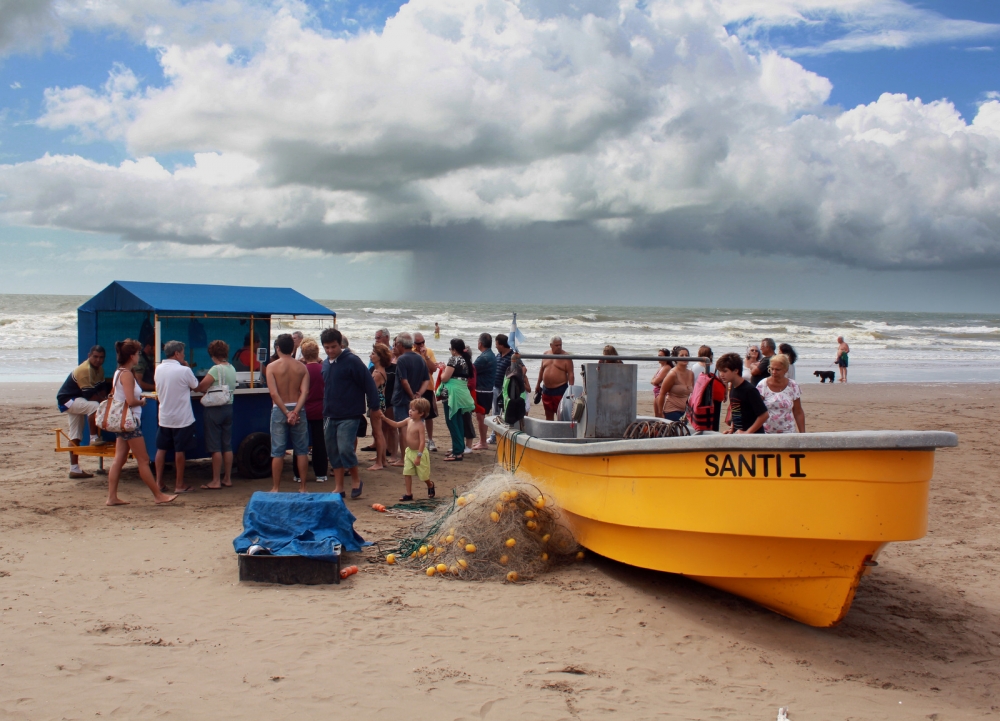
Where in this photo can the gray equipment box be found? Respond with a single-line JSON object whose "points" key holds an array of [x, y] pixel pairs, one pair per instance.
{"points": [[611, 398]]}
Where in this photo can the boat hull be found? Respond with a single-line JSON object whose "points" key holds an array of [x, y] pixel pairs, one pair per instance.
{"points": [[792, 531]]}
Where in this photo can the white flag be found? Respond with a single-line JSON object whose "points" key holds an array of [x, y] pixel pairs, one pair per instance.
{"points": [[516, 336]]}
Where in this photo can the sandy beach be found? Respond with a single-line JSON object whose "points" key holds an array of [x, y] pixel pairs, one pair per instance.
{"points": [[136, 612]]}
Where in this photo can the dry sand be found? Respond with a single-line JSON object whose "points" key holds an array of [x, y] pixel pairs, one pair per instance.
{"points": [[136, 611]]}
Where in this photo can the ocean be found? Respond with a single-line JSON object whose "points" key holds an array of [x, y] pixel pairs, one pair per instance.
{"points": [[38, 335]]}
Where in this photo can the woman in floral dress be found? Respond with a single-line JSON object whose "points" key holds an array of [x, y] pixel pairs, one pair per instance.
{"points": [[782, 397]]}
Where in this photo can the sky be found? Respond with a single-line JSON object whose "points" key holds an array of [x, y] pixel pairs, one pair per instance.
{"points": [[815, 154]]}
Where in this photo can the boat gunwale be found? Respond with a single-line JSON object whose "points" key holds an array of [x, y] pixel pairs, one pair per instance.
{"points": [[826, 441]]}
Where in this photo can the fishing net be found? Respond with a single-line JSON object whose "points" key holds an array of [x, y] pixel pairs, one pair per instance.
{"points": [[499, 528]]}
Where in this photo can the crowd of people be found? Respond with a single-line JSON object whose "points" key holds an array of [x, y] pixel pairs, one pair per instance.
{"points": [[321, 407], [760, 387]]}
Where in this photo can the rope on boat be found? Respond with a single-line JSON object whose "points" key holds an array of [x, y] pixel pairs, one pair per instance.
{"points": [[509, 459], [657, 429]]}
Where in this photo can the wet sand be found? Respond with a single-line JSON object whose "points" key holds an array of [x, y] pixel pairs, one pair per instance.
{"points": [[137, 612]]}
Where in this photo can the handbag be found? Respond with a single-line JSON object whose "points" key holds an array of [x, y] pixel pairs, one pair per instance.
{"points": [[217, 395], [113, 415]]}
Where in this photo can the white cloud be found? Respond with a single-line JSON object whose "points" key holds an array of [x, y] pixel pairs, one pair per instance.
{"points": [[27, 25], [464, 122], [857, 25]]}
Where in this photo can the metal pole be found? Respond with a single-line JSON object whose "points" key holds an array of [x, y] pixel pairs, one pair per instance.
{"points": [[253, 352], [611, 358]]}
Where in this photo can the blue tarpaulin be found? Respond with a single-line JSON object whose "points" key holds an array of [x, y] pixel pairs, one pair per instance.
{"points": [[298, 524]]}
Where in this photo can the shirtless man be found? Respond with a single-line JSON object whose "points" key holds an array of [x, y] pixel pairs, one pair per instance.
{"points": [[288, 383], [842, 350], [554, 377]]}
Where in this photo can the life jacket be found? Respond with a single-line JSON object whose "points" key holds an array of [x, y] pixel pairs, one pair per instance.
{"points": [[701, 405]]}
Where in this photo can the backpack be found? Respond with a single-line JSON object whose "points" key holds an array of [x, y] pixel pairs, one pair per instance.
{"points": [[701, 406], [514, 408]]}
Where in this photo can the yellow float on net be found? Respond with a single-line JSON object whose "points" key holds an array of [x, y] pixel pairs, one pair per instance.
{"points": [[529, 514], [390, 559], [470, 548], [510, 543], [449, 538], [540, 502], [512, 576], [441, 568], [422, 551], [471, 497], [544, 556], [431, 571], [461, 501], [546, 537], [454, 570], [503, 560], [463, 563], [531, 525], [495, 517], [504, 496], [499, 507], [579, 555]]}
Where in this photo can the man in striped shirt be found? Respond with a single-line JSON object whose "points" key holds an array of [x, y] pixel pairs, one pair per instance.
{"points": [[504, 355]]}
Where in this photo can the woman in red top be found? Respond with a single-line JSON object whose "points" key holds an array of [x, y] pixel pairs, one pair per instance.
{"points": [[314, 409]]}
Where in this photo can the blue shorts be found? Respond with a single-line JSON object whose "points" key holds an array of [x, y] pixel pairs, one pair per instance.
{"points": [[178, 440], [340, 435], [131, 435], [282, 433]]}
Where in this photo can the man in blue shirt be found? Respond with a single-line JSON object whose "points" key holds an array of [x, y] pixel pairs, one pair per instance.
{"points": [[486, 370], [348, 388], [412, 381], [503, 357]]}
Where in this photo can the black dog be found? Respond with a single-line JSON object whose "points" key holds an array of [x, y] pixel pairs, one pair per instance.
{"points": [[825, 376]]}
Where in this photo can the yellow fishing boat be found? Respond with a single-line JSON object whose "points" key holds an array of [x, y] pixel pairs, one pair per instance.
{"points": [[791, 521]]}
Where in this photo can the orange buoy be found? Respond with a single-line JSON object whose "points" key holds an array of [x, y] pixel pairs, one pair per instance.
{"points": [[349, 571], [378, 507]]}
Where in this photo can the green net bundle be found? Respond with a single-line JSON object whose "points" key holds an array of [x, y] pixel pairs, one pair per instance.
{"points": [[498, 528]]}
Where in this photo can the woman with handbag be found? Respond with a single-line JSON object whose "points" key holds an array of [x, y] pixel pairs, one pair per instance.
{"points": [[218, 386], [127, 395], [454, 392]]}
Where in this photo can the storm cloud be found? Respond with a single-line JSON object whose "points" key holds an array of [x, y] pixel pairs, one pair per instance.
{"points": [[464, 124]]}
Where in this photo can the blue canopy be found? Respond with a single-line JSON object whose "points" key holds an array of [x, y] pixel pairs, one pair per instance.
{"points": [[133, 303], [191, 298]]}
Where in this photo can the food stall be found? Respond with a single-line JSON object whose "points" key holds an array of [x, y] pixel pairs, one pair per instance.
{"points": [[242, 316]]}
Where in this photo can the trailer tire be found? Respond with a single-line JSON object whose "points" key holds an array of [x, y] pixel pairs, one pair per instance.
{"points": [[253, 458]]}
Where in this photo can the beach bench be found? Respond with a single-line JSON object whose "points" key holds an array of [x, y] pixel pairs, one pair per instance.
{"points": [[99, 452]]}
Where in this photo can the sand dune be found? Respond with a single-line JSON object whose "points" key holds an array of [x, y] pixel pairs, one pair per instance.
{"points": [[136, 611]]}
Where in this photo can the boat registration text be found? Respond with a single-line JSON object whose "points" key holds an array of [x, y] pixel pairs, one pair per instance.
{"points": [[766, 465]]}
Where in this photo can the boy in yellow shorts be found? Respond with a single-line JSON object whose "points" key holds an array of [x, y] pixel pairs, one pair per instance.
{"points": [[416, 459]]}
